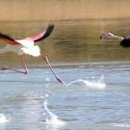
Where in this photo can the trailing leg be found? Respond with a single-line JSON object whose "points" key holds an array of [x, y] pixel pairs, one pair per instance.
{"points": [[23, 64]]}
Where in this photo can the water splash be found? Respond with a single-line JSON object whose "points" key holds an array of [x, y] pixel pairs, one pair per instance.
{"points": [[47, 79], [53, 119], [100, 84], [3, 119], [122, 125]]}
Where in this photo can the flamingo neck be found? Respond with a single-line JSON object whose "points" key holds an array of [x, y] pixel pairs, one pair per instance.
{"points": [[117, 37]]}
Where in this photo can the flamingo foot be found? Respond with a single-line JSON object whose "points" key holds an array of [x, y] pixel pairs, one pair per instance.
{"points": [[59, 80]]}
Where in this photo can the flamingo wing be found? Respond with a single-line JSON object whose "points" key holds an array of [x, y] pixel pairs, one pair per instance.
{"points": [[42, 35], [8, 39]]}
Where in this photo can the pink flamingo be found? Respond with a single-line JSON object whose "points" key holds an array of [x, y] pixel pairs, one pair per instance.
{"points": [[27, 46], [124, 41]]}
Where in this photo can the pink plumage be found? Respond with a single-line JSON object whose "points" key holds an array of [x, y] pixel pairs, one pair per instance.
{"points": [[27, 46]]}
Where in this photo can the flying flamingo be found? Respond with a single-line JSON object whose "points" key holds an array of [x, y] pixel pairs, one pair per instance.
{"points": [[27, 46], [124, 41]]}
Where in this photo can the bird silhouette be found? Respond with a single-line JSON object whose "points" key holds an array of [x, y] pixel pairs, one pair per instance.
{"points": [[123, 41], [27, 46]]}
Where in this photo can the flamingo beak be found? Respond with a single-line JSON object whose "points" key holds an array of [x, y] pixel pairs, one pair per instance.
{"points": [[101, 36]]}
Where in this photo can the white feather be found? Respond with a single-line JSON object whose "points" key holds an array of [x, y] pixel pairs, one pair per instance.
{"points": [[33, 50], [29, 48]]}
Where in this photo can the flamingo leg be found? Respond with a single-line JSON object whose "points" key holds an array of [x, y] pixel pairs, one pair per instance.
{"points": [[55, 75], [23, 64]]}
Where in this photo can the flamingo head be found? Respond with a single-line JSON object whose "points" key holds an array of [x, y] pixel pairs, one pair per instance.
{"points": [[106, 36]]}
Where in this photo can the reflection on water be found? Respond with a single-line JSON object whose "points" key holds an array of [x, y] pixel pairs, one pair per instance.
{"points": [[71, 40]]}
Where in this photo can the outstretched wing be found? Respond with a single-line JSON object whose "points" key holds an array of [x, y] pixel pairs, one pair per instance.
{"points": [[42, 35], [8, 39]]}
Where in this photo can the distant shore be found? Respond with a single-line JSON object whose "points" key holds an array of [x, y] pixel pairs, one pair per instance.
{"points": [[21, 10]]}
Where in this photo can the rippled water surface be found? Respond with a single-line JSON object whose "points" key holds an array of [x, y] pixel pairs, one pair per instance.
{"points": [[95, 96], [96, 93]]}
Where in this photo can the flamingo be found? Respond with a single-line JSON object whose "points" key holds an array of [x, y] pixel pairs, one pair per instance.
{"points": [[27, 46], [124, 41]]}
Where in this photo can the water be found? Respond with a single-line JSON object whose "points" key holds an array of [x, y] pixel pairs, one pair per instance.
{"points": [[93, 98], [96, 74], [71, 41]]}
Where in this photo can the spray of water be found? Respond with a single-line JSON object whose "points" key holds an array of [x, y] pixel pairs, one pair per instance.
{"points": [[100, 84], [121, 125], [3, 119], [53, 119]]}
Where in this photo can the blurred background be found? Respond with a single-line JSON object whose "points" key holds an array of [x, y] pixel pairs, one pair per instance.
{"points": [[78, 25]]}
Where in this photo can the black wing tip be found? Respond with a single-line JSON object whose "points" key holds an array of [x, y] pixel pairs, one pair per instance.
{"points": [[46, 33], [50, 27], [2, 35], [49, 30]]}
